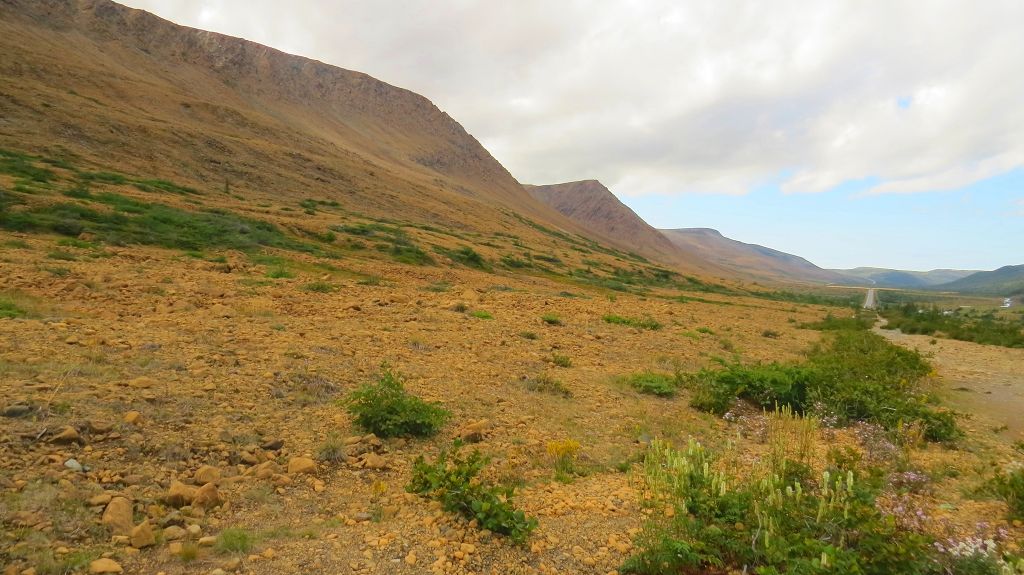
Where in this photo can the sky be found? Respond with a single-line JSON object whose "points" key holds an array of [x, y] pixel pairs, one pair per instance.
{"points": [[885, 133]]}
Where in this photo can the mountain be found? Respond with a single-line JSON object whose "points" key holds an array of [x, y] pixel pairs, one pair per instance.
{"points": [[883, 277], [590, 204], [103, 84], [1007, 280], [749, 259]]}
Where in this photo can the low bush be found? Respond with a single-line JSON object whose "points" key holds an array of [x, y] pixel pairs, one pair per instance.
{"points": [[544, 383], [320, 287], [453, 479], [759, 523], [641, 323], [852, 376], [985, 329], [653, 383], [481, 314], [833, 323], [466, 256], [388, 410], [551, 319], [561, 360], [235, 540], [9, 309], [1009, 487]]}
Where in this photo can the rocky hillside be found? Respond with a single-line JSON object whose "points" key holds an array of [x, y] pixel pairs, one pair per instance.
{"points": [[749, 259], [97, 81], [590, 204]]}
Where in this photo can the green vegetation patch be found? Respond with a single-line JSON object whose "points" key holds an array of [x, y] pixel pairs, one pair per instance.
{"points": [[10, 309], [127, 221], [23, 167], [235, 540], [763, 523], [641, 323], [653, 383], [858, 321], [454, 480], [388, 410], [851, 376], [466, 256], [984, 328]]}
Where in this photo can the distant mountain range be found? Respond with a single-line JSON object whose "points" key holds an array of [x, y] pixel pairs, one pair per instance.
{"points": [[882, 277], [592, 206], [750, 260]]}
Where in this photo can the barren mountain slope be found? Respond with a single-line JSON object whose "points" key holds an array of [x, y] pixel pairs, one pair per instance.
{"points": [[590, 204], [96, 81], [749, 259]]}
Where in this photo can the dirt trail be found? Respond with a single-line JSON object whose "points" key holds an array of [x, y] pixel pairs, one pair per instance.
{"points": [[983, 380]]}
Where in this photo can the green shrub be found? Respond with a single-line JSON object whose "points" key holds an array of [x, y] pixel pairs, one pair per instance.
{"points": [[561, 360], [279, 273], [235, 540], [9, 309], [454, 481], [62, 256], [759, 524], [551, 319], [544, 383], [653, 383], [320, 287], [852, 376], [410, 254], [641, 323], [467, 257], [1010, 488], [481, 314], [832, 323], [386, 409], [528, 335], [984, 329]]}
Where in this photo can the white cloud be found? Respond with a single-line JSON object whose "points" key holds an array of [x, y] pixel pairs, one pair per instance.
{"points": [[704, 96]]}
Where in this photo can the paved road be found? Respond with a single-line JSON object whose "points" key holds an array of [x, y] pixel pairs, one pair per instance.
{"points": [[870, 301]]}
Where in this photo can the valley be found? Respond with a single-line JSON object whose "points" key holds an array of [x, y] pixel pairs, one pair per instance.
{"points": [[261, 315]]}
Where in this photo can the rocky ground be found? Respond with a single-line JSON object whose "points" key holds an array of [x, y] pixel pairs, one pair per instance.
{"points": [[157, 408]]}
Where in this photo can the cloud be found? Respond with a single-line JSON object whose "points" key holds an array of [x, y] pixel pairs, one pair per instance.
{"points": [[713, 96]]}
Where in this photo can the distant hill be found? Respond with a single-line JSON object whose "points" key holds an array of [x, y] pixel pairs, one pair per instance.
{"points": [[749, 259], [883, 277], [1007, 280], [593, 206]]}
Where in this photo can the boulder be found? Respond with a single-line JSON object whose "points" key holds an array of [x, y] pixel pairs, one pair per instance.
{"points": [[118, 516], [179, 494], [207, 497], [299, 465], [105, 565]]}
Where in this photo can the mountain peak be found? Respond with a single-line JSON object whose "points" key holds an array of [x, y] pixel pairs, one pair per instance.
{"points": [[593, 206]]}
